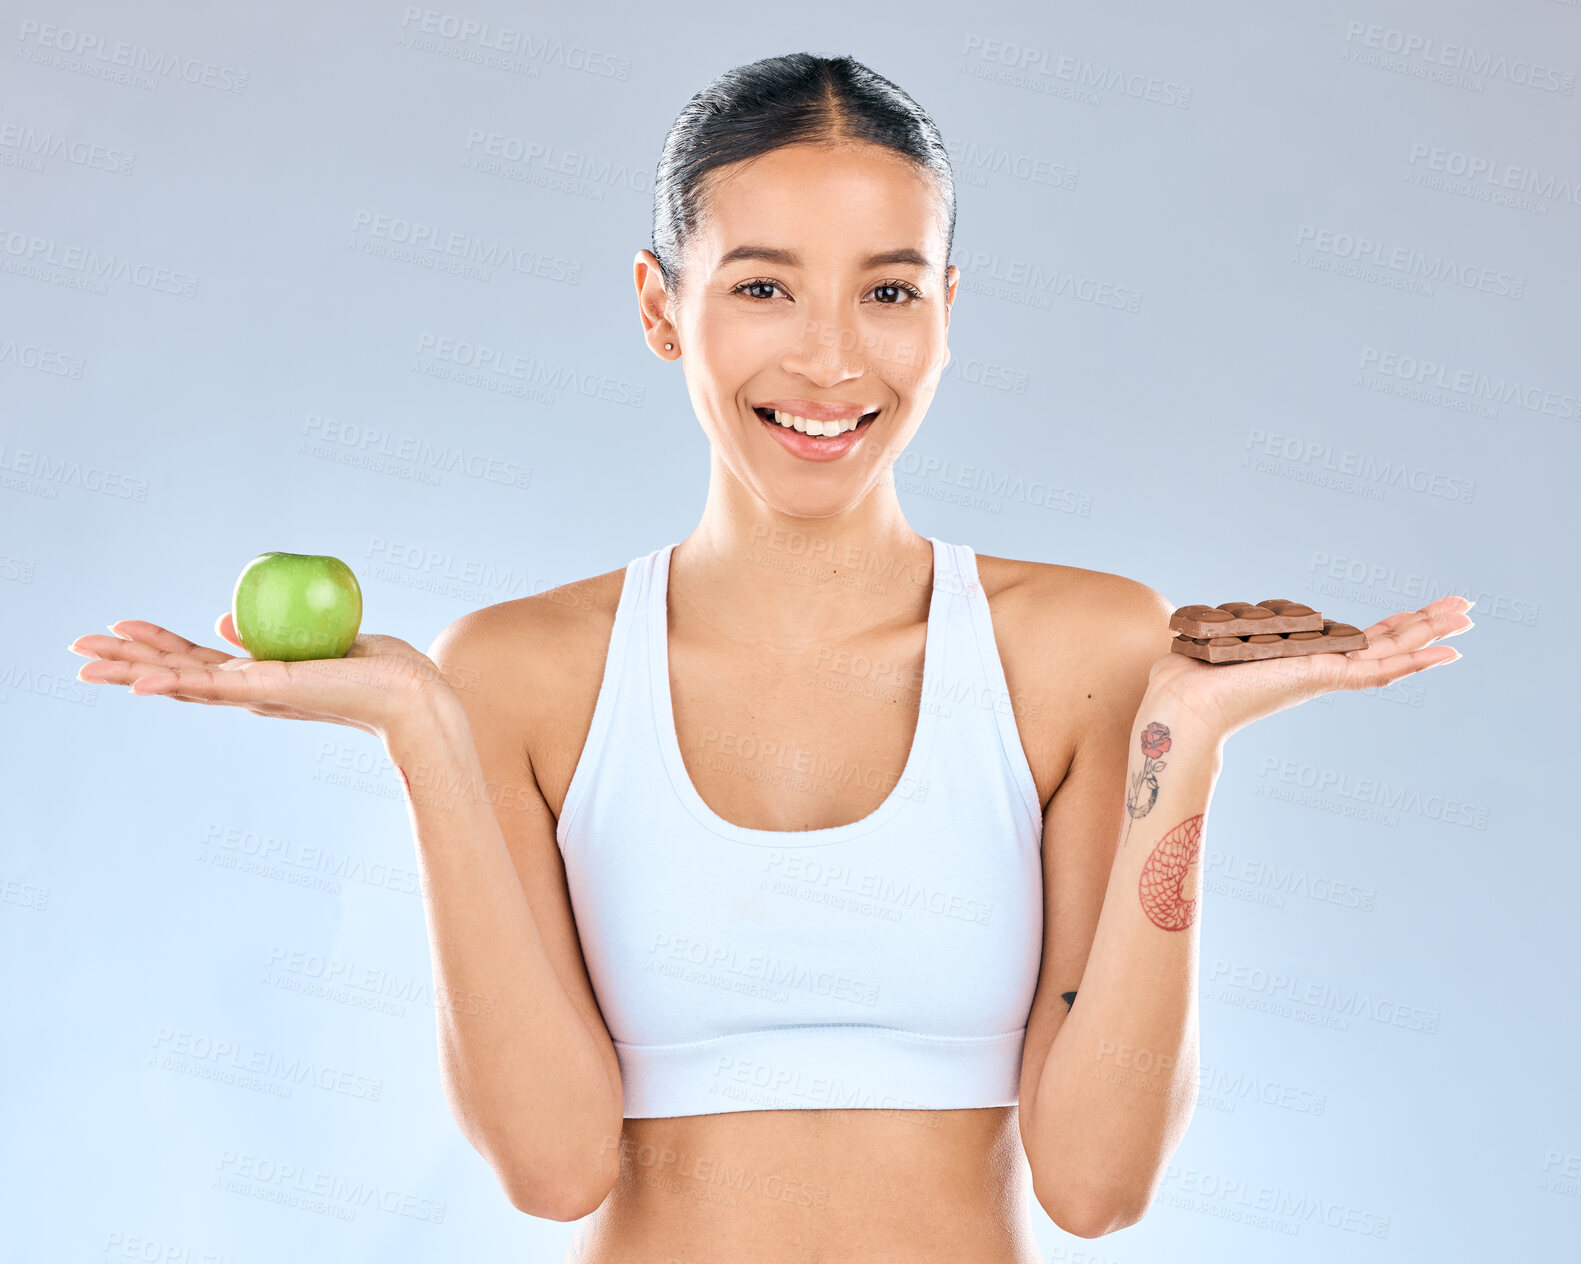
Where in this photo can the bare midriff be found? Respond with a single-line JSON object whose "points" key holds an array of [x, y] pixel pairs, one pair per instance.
{"points": [[871, 1186]]}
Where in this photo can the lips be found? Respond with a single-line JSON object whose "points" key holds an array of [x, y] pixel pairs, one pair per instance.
{"points": [[815, 447]]}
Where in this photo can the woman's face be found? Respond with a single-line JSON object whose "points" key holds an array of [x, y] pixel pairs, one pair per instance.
{"points": [[815, 285]]}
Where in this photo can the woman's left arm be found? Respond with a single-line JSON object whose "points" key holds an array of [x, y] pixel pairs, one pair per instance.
{"points": [[1109, 1093]]}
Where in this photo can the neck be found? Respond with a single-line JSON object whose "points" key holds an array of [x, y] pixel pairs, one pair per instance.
{"points": [[755, 574]]}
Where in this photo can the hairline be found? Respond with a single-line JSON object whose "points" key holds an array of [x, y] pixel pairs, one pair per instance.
{"points": [[711, 179]]}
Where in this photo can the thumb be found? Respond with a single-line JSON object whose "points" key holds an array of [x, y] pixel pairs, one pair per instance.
{"points": [[226, 627]]}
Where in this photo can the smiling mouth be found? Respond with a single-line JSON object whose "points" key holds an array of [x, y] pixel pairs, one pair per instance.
{"points": [[826, 429]]}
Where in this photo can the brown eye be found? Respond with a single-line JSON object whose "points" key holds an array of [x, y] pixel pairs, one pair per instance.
{"points": [[898, 287], [755, 285]]}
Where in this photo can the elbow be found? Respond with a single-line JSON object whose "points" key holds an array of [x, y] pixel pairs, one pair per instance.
{"points": [[545, 1199], [549, 1180], [1090, 1218], [562, 1186], [1091, 1222]]}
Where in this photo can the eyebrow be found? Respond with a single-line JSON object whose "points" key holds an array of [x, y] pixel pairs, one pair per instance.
{"points": [[790, 259]]}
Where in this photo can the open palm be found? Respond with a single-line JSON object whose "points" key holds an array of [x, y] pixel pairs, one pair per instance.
{"points": [[1232, 695], [378, 680]]}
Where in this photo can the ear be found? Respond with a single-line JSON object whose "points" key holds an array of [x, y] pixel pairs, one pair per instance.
{"points": [[653, 305]]}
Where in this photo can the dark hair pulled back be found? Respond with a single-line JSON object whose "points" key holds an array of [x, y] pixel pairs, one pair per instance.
{"points": [[798, 98]]}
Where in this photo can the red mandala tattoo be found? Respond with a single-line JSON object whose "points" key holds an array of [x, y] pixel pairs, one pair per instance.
{"points": [[1169, 885]]}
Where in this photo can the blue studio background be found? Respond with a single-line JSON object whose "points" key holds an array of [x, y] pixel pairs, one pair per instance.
{"points": [[1255, 302]]}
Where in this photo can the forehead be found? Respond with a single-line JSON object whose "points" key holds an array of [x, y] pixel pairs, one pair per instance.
{"points": [[829, 202]]}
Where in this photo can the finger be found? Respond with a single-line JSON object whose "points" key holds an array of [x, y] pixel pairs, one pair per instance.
{"points": [[108, 656], [239, 687], [106, 645], [1387, 632], [96, 644], [117, 661], [1412, 629], [128, 671], [167, 642], [1374, 673], [140, 642]]}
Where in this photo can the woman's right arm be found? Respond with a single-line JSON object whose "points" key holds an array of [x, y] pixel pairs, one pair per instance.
{"points": [[529, 1069]]}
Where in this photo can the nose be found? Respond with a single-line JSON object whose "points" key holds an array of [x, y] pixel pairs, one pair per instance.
{"points": [[826, 352]]}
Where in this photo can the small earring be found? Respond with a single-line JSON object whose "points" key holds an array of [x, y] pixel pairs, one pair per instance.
{"points": [[669, 346]]}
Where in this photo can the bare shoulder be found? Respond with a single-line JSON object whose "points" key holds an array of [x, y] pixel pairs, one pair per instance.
{"points": [[1076, 646], [544, 634], [536, 662], [1045, 604]]}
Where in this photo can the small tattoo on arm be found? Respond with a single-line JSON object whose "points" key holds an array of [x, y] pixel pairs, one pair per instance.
{"points": [[1171, 879], [1143, 791], [1069, 998]]}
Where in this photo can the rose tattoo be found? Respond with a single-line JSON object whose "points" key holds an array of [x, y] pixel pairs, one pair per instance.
{"points": [[1143, 791]]}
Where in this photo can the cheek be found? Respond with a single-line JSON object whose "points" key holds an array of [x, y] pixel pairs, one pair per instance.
{"points": [[723, 328], [723, 351], [908, 355]]}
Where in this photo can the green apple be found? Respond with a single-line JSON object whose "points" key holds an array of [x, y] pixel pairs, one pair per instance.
{"points": [[295, 606]]}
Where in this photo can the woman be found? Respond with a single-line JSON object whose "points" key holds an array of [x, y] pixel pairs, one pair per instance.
{"points": [[771, 969]]}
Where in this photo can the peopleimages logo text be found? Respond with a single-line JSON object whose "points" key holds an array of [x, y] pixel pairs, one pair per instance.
{"points": [[1410, 261]]}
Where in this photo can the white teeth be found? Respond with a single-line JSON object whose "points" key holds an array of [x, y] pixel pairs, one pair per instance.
{"points": [[827, 429]]}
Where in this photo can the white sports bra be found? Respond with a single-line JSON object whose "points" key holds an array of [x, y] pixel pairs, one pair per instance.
{"points": [[888, 963]]}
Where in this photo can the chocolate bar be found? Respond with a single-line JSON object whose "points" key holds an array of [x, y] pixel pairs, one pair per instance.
{"points": [[1239, 618], [1333, 636]]}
